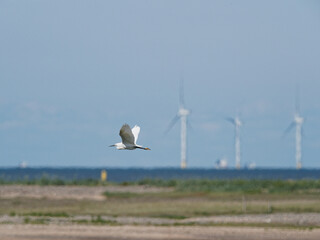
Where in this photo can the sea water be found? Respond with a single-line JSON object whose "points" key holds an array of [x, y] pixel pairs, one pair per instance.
{"points": [[136, 174]]}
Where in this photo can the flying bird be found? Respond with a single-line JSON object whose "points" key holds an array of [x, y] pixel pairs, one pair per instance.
{"points": [[129, 138]]}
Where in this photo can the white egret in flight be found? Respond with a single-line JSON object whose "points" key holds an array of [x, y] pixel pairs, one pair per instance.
{"points": [[129, 138]]}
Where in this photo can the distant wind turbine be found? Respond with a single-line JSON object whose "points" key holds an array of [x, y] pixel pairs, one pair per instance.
{"points": [[182, 115], [237, 124], [297, 122]]}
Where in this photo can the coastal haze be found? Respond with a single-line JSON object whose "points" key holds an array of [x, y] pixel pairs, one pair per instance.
{"points": [[72, 72]]}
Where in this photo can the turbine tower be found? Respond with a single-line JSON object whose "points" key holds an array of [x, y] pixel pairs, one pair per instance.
{"points": [[298, 120], [237, 124], [182, 114]]}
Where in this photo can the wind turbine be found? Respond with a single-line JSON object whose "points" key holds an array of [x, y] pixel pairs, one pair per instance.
{"points": [[297, 122], [182, 115], [237, 124]]}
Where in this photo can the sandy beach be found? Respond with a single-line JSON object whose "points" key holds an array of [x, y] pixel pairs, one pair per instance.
{"points": [[58, 232]]}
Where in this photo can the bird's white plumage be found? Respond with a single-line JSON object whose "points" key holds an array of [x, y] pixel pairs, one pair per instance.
{"points": [[135, 131]]}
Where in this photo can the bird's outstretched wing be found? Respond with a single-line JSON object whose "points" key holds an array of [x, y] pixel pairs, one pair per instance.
{"points": [[126, 134], [135, 132]]}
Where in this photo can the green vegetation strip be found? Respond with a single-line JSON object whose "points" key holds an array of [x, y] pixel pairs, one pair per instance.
{"points": [[192, 185], [47, 181], [99, 220], [238, 185]]}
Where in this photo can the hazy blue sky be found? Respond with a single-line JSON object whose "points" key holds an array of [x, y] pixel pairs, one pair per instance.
{"points": [[72, 72]]}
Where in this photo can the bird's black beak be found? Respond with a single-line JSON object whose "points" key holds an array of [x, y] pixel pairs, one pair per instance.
{"points": [[112, 145]]}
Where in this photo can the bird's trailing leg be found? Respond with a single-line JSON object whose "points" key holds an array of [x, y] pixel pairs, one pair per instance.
{"points": [[144, 148]]}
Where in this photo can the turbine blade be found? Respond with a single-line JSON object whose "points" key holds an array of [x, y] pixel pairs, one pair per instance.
{"points": [[288, 129], [189, 125], [297, 100], [172, 123], [181, 93], [230, 119], [303, 132]]}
